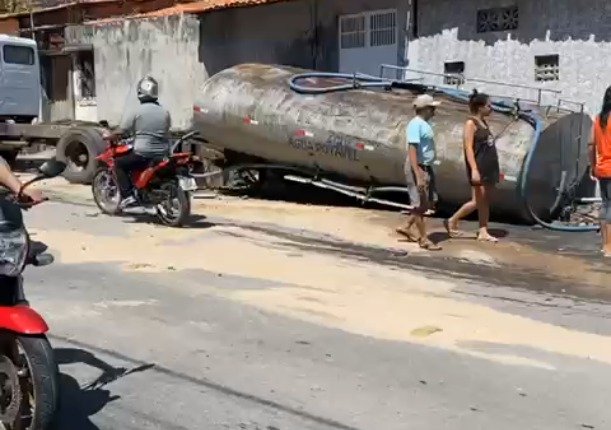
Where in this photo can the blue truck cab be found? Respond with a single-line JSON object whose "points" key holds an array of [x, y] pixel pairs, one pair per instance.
{"points": [[20, 89]]}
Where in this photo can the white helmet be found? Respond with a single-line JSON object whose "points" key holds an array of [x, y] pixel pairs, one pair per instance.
{"points": [[148, 89]]}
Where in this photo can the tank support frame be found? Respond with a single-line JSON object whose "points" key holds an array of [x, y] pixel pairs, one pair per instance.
{"points": [[363, 194]]}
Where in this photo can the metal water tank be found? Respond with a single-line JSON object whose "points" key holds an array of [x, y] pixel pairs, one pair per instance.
{"points": [[359, 135]]}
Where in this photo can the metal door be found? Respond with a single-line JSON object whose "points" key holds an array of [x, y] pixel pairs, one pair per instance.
{"points": [[367, 40]]}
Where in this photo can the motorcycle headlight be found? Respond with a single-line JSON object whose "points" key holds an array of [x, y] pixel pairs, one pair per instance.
{"points": [[13, 252]]}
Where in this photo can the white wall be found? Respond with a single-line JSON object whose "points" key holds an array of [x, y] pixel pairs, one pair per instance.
{"points": [[579, 31], [126, 50]]}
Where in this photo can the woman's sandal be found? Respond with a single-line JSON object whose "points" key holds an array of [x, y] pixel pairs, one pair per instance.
{"points": [[487, 238], [451, 232], [407, 234], [428, 245]]}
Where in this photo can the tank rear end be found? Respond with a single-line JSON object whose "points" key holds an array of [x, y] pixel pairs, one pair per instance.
{"points": [[559, 161]]}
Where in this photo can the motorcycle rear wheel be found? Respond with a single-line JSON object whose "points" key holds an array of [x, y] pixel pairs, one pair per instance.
{"points": [[175, 208], [103, 184], [29, 390]]}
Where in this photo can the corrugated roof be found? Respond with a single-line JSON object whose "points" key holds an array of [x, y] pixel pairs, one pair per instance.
{"points": [[192, 7]]}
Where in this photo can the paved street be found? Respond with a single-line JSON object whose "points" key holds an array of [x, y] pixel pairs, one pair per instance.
{"points": [[265, 316]]}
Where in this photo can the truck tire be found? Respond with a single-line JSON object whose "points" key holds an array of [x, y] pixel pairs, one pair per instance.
{"points": [[78, 148]]}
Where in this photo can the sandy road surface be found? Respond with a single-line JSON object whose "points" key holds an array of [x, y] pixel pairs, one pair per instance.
{"points": [[322, 312]]}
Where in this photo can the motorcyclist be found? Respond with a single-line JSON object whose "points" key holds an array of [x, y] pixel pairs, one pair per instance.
{"points": [[149, 126], [10, 181]]}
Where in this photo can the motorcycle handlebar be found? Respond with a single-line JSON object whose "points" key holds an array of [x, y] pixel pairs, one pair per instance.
{"points": [[25, 202], [181, 140]]}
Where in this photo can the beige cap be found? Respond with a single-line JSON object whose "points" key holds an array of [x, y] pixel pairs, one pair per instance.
{"points": [[425, 100]]}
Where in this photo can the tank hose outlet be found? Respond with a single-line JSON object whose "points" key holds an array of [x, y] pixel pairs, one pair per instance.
{"points": [[365, 81]]}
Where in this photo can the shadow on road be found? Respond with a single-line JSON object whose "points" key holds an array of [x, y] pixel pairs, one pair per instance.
{"points": [[194, 221], [80, 402], [78, 405], [201, 382], [442, 236]]}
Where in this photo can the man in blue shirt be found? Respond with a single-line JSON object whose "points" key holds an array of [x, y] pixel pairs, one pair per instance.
{"points": [[419, 169]]}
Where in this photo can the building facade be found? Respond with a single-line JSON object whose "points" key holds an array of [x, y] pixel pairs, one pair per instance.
{"points": [[562, 45], [184, 45], [554, 45]]}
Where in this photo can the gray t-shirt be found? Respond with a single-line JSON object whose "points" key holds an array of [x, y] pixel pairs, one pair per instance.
{"points": [[150, 125]]}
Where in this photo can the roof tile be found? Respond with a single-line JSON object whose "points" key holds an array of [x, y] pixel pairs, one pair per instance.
{"points": [[191, 7]]}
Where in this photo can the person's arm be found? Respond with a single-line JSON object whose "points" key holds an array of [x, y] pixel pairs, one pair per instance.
{"points": [[10, 181], [8, 178], [468, 134], [592, 152], [413, 141], [126, 126]]}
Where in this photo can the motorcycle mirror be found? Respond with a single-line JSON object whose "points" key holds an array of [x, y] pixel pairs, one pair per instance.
{"points": [[52, 168], [43, 260]]}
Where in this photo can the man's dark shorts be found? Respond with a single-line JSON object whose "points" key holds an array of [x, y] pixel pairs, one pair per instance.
{"points": [[422, 199]]}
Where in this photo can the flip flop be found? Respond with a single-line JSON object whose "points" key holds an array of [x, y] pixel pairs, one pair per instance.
{"points": [[429, 246], [488, 238], [451, 233], [407, 234]]}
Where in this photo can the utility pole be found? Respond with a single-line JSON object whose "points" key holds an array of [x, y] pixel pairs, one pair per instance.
{"points": [[31, 19]]}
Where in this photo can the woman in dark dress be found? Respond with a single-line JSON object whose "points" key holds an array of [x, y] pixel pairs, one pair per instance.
{"points": [[483, 170]]}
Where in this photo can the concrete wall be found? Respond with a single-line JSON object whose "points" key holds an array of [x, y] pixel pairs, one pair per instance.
{"points": [[181, 51], [57, 104], [125, 51], [580, 32]]}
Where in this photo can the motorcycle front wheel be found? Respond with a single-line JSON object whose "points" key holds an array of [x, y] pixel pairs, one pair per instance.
{"points": [[175, 207], [105, 190], [29, 383]]}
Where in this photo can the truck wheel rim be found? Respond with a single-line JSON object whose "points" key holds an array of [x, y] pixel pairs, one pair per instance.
{"points": [[77, 156]]}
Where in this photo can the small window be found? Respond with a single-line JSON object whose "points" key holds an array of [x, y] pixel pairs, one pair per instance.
{"points": [[15, 54], [383, 29], [547, 68], [85, 63], [498, 19], [352, 32], [454, 73]]}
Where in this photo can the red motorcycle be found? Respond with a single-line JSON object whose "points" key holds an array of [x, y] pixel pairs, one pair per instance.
{"points": [[165, 185], [29, 377]]}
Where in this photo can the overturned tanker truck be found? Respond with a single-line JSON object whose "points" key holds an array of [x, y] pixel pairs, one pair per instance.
{"points": [[348, 134]]}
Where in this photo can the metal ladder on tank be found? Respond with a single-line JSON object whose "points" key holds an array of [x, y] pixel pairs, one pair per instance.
{"points": [[458, 81]]}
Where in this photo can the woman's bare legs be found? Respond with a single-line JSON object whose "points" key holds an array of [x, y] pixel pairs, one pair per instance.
{"points": [[465, 210], [482, 197]]}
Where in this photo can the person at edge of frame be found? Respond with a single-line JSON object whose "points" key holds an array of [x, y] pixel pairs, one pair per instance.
{"points": [[418, 168], [10, 181], [599, 148]]}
